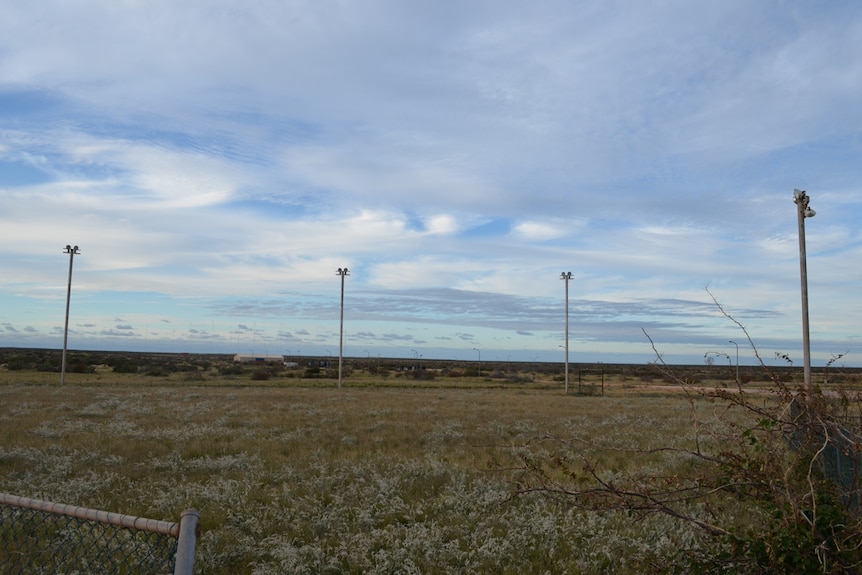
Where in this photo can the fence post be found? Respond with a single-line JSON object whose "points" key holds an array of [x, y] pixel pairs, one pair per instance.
{"points": [[189, 532]]}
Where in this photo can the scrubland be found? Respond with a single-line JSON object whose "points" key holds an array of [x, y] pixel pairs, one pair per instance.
{"points": [[302, 477]]}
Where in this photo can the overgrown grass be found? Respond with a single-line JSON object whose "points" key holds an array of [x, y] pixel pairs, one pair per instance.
{"points": [[358, 480]]}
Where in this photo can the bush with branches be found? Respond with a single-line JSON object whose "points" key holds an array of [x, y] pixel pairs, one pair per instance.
{"points": [[769, 477]]}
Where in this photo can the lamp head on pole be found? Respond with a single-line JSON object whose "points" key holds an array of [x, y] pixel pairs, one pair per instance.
{"points": [[801, 199], [342, 272], [566, 276]]}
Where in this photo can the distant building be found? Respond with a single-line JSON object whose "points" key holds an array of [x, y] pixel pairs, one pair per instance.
{"points": [[258, 358]]}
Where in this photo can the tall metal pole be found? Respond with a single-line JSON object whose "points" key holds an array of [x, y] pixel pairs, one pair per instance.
{"points": [[566, 276], [71, 251], [343, 272], [737, 359], [801, 199], [479, 369]]}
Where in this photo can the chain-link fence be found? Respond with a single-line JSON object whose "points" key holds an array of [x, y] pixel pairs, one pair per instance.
{"points": [[839, 452], [842, 462], [591, 381], [52, 538]]}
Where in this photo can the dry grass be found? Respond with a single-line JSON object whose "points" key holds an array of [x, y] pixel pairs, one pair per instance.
{"points": [[299, 477]]}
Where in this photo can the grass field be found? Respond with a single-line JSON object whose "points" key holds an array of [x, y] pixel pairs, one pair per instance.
{"points": [[382, 476]]}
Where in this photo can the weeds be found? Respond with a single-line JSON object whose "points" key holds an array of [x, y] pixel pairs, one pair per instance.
{"points": [[313, 480], [770, 477]]}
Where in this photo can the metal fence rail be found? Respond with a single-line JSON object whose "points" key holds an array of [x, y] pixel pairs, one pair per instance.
{"points": [[52, 538]]}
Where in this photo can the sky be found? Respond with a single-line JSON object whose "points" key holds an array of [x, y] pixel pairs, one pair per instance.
{"points": [[217, 161]]}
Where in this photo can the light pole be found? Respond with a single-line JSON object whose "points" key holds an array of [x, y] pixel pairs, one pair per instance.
{"points": [[801, 199], [737, 359], [72, 251], [343, 272], [566, 276], [478, 369]]}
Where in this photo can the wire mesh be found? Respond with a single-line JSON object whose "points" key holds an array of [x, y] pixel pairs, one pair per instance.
{"points": [[839, 453], [842, 462], [37, 541]]}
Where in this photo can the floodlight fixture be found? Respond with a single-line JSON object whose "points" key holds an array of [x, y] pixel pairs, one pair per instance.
{"points": [[801, 199], [72, 251], [566, 276], [343, 272], [737, 359]]}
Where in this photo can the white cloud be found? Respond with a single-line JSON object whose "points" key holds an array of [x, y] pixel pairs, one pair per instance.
{"points": [[442, 224], [207, 149], [539, 231]]}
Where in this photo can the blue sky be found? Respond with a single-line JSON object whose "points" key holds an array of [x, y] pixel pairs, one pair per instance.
{"points": [[217, 161]]}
